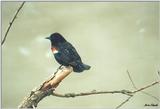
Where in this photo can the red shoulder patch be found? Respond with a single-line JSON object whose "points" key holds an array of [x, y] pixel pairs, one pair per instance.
{"points": [[54, 50]]}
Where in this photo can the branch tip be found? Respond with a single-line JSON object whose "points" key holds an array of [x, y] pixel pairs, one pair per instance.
{"points": [[11, 23]]}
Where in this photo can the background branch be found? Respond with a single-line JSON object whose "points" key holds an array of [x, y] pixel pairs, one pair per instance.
{"points": [[146, 93], [124, 102], [47, 88], [134, 86], [137, 90], [11, 23], [94, 92]]}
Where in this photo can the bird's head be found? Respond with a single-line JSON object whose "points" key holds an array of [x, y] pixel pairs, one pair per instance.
{"points": [[56, 38]]}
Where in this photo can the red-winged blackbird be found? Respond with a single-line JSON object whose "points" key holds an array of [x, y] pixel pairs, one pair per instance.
{"points": [[65, 54]]}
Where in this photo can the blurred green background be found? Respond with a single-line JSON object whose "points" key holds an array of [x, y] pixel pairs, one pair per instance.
{"points": [[112, 37]]}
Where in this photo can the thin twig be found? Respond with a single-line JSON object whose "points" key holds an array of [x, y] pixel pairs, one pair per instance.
{"points": [[143, 88], [94, 92], [151, 95], [138, 90], [134, 86], [124, 102], [131, 80], [126, 92], [12, 21]]}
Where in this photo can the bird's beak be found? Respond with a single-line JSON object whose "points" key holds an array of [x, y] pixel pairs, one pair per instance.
{"points": [[47, 38]]}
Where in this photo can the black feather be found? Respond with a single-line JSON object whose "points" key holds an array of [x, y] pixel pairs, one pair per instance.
{"points": [[67, 54]]}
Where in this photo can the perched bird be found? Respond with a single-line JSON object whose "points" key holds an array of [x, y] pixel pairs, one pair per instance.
{"points": [[65, 54]]}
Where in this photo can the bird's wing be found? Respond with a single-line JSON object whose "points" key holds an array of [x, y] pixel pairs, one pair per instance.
{"points": [[69, 53]]}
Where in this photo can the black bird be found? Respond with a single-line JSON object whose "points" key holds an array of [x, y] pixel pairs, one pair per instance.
{"points": [[65, 54]]}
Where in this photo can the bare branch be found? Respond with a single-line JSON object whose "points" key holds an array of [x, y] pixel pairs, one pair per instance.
{"points": [[138, 90], [146, 93], [94, 92], [134, 86], [12, 21], [131, 80], [143, 88], [124, 102], [47, 88]]}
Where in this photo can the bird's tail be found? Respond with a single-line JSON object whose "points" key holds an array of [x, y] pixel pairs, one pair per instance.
{"points": [[81, 67], [86, 67]]}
